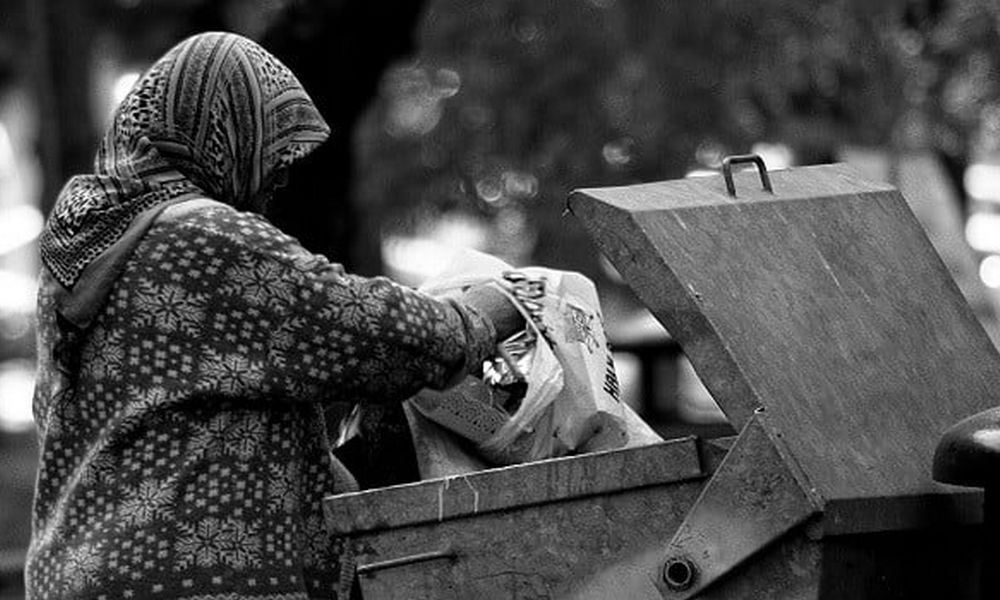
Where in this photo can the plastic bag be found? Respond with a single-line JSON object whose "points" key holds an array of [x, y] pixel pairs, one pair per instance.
{"points": [[589, 415], [480, 412], [572, 398]]}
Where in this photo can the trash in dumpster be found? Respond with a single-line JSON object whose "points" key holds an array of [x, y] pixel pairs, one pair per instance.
{"points": [[552, 389]]}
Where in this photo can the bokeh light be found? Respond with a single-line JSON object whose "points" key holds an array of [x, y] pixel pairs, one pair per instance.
{"points": [[17, 385], [982, 182], [19, 225], [411, 259], [989, 271], [982, 231], [122, 86]]}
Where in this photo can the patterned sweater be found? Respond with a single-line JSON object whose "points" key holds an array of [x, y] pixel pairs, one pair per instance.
{"points": [[186, 456]]}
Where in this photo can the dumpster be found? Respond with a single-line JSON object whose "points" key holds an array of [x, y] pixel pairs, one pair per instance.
{"points": [[812, 306]]}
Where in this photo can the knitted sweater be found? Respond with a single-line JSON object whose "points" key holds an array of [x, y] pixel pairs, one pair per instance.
{"points": [[184, 455]]}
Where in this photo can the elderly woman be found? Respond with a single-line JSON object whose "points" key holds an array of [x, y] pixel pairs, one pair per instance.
{"points": [[187, 346]]}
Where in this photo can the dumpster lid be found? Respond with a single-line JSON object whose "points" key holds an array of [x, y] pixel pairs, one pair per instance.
{"points": [[822, 303]]}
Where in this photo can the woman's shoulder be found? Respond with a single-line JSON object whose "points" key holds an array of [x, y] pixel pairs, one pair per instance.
{"points": [[220, 223], [220, 229]]}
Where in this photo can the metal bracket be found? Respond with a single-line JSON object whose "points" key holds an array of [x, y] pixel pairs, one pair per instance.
{"points": [[370, 568], [727, 171], [755, 497]]}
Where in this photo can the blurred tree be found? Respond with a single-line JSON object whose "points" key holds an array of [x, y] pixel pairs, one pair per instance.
{"points": [[512, 103], [950, 51]]}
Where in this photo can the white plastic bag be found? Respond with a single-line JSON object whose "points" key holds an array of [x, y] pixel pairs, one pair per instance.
{"points": [[589, 415], [470, 408], [571, 403]]}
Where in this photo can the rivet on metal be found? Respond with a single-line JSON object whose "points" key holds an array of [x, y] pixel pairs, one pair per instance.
{"points": [[679, 573]]}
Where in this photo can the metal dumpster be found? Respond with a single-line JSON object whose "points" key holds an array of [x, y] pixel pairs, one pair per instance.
{"points": [[823, 323]]}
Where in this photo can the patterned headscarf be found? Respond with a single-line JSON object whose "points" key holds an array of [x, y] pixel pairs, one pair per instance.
{"points": [[217, 117]]}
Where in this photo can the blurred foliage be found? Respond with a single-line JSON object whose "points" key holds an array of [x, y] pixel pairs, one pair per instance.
{"points": [[510, 104], [950, 52]]}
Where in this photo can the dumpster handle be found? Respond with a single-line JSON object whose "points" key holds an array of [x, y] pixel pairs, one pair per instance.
{"points": [[370, 568], [727, 171]]}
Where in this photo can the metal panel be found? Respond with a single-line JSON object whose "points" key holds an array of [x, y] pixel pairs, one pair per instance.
{"points": [[591, 547], [437, 500], [753, 499], [823, 302]]}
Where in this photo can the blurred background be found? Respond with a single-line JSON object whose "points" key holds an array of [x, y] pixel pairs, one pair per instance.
{"points": [[465, 123]]}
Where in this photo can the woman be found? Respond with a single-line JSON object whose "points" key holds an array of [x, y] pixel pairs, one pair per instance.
{"points": [[186, 347]]}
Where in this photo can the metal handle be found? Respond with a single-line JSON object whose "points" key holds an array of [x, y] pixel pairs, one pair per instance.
{"points": [[370, 568], [727, 171]]}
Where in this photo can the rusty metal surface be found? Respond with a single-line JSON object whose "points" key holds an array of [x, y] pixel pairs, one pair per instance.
{"points": [[752, 499], [437, 500], [791, 569], [941, 564], [594, 547], [626, 575]]}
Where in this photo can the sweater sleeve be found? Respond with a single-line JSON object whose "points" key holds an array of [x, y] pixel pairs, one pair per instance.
{"points": [[274, 321]]}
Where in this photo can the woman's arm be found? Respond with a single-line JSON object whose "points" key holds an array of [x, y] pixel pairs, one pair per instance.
{"points": [[289, 324]]}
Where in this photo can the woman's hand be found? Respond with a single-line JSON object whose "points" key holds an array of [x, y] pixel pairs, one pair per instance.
{"points": [[497, 307]]}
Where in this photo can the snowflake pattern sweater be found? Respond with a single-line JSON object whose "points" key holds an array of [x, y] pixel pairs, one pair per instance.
{"points": [[186, 456]]}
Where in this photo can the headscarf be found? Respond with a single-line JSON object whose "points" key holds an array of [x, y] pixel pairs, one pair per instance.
{"points": [[217, 117]]}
